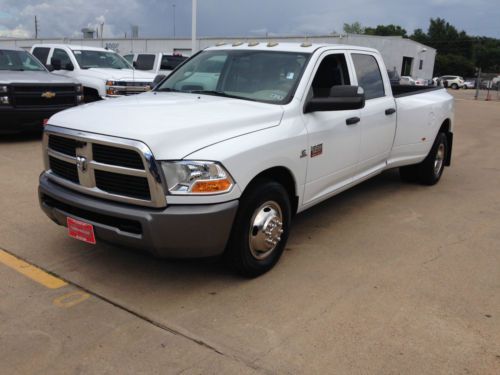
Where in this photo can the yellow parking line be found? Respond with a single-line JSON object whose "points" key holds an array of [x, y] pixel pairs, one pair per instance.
{"points": [[30, 271]]}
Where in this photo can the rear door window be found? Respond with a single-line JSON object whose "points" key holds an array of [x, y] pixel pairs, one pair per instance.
{"points": [[41, 53], [369, 76]]}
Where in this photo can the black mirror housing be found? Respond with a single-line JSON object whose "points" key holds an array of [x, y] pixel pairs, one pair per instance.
{"points": [[55, 63], [158, 79], [341, 98]]}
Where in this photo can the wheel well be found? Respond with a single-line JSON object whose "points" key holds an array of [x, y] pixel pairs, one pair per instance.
{"points": [[90, 95], [283, 176], [445, 128]]}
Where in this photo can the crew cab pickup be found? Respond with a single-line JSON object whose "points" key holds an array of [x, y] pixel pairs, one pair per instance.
{"points": [[29, 94], [157, 63], [103, 73], [221, 155]]}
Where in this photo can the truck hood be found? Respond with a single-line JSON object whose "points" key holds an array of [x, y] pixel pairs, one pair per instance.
{"points": [[173, 125], [9, 76], [118, 74]]}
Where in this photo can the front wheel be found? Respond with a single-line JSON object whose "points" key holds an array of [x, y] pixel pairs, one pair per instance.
{"points": [[260, 230], [454, 86]]}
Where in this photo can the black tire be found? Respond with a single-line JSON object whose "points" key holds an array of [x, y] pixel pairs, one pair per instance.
{"points": [[430, 170], [454, 86], [241, 255]]}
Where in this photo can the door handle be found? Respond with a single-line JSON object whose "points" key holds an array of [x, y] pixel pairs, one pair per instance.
{"points": [[390, 111], [352, 120]]}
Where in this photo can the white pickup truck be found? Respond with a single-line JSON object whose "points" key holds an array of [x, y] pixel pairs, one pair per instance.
{"points": [[103, 73], [221, 155], [157, 63]]}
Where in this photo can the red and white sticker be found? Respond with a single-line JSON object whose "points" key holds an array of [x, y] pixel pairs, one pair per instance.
{"points": [[80, 230]]}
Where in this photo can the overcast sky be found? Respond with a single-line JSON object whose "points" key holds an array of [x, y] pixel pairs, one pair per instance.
{"points": [[65, 18]]}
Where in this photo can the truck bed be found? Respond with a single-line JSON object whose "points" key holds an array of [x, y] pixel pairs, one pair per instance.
{"points": [[399, 91]]}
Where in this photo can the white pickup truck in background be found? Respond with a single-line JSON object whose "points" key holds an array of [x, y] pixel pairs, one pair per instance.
{"points": [[103, 73], [157, 63], [221, 155]]}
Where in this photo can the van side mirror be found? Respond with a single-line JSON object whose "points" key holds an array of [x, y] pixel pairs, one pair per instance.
{"points": [[341, 98], [55, 63], [158, 79]]}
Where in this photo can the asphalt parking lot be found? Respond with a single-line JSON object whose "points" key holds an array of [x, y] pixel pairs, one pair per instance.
{"points": [[387, 278]]}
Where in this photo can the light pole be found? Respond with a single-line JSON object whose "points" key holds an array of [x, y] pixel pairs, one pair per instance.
{"points": [[173, 8], [193, 26]]}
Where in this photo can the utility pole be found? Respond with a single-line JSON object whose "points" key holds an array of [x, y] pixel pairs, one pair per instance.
{"points": [[478, 83], [173, 7], [193, 27], [36, 28]]}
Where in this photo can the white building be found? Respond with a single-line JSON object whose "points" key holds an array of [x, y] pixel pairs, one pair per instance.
{"points": [[405, 56]]}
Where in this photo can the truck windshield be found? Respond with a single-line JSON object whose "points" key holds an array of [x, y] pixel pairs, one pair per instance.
{"points": [[263, 76], [100, 59], [20, 61]]}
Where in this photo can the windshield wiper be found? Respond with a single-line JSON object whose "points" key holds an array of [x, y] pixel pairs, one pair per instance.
{"points": [[216, 93], [168, 89], [16, 70]]}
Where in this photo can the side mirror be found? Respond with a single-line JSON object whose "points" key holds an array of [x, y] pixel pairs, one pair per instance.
{"points": [[134, 64], [341, 98], [55, 63], [158, 79], [69, 67]]}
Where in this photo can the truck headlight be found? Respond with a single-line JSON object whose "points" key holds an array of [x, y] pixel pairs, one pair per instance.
{"points": [[111, 88], [4, 100], [196, 177], [4, 89], [79, 88]]}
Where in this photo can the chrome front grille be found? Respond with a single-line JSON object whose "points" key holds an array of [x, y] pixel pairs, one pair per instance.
{"points": [[107, 167]]}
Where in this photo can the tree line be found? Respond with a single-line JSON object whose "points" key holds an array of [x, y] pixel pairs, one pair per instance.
{"points": [[457, 52]]}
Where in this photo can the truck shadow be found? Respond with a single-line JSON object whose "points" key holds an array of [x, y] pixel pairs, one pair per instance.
{"points": [[167, 272]]}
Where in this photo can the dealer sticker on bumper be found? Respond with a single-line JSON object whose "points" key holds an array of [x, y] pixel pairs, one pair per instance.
{"points": [[80, 230]]}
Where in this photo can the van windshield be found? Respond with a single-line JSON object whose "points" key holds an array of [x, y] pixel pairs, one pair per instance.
{"points": [[263, 76], [100, 59], [20, 61]]}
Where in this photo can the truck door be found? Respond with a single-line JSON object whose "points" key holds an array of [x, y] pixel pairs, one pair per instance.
{"points": [[378, 117], [333, 143]]}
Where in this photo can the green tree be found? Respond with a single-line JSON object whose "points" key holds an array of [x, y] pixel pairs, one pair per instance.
{"points": [[353, 28], [386, 30]]}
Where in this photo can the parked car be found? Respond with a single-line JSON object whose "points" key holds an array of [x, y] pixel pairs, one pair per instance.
{"points": [[103, 73], [454, 82], [157, 63], [407, 80], [221, 161], [29, 94], [470, 84], [420, 82]]}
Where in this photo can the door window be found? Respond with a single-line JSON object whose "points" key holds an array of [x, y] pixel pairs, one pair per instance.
{"points": [[41, 53], [331, 72], [145, 62], [369, 76], [63, 57]]}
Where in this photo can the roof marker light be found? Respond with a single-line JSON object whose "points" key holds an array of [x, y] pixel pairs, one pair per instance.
{"points": [[218, 44], [272, 44], [253, 43], [306, 44], [237, 44]]}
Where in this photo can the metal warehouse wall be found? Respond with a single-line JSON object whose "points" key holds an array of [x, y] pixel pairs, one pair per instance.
{"points": [[393, 49]]}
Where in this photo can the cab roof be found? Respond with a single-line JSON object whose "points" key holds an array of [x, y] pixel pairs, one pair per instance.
{"points": [[285, 47], [72, 47]]}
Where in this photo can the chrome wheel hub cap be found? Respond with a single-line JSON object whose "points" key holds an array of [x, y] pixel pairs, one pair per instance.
{"points": [[266, 228], [438, 162]]}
